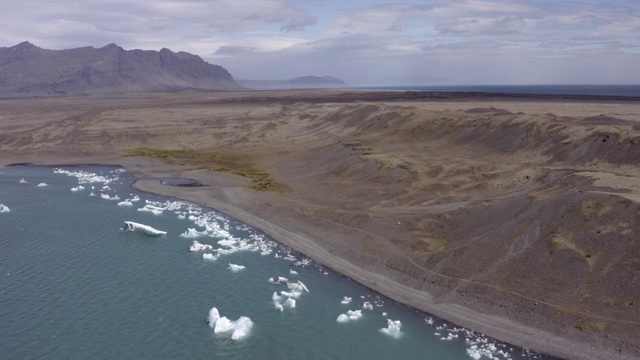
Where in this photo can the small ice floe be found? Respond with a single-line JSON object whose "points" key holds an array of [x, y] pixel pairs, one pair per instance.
{"points": [[141, 228], [281, 280], [221, 325], [155, 210], [346, 300], [210, 257], [367, 306], [227, 242], [384, 314], [293, 272], [449, 337], [22, 181], [42, 184], [125, 203], [393, 328], [192, 233], [236, 268], [349, 316], [297, 286], [77, 188], [4, 208], [196, 246], [92, 194], [290, 258], [429, 320]]}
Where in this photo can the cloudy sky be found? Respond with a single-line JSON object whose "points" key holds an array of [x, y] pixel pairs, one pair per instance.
{"points": [[365, 42]]}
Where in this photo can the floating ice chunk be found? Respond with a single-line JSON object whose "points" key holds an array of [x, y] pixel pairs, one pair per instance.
{"points": [[145, 229], [236, 268], [293, 272], [125, 203], [354, 314], [105, 196], [192, 233], [278, 306], [271, 281], [346, 300], [155, 210], [367, 306], [42, 184], [281, 280], [384, 314], [22, 181], [92, 194], [290, 303], [303, 286], [290, 294], [77, 188], [227, 242], [209, 257], [239, 328], [350, 315], [181, 217], [196, 246], [429, 320], [393, 328], [4, 208]]}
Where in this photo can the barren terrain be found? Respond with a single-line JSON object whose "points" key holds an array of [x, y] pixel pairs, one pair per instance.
{"points": [[512, 215]]}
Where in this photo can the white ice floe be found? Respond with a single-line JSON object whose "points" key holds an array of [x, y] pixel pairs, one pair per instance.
{"points": [[196, 246], [367, 306], [349, 316], [125, 203], [238, 328], [22, 181], [145, 229], [210, 257], [346, 300], [236, 268], [384, 314], [281, 280], [293, 272], [155, 210], [297, 287], [290, 303], [192, 233], [42, 184], [4, 208], [77, 188], [227, 242], [393, 328]]}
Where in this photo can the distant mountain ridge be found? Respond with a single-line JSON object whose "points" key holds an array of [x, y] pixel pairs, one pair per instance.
{"points": [[302, 82], [26, 70]]}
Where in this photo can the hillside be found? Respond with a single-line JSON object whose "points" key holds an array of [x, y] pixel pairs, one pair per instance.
{"points": [[27, 70]]}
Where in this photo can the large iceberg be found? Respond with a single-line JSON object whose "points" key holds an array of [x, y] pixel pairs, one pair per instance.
{"points": [[145, 229], [238, 328]]}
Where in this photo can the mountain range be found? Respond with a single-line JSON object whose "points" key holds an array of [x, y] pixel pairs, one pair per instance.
{"points": [[27, 70]]}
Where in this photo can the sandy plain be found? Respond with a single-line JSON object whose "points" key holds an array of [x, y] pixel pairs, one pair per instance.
{"points": [[511, 215]]}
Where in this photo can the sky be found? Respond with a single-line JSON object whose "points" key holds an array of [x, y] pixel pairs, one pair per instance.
{"points": [[364, 42]]}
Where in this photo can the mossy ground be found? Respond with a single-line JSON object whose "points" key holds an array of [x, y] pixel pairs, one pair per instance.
{"points": [[215, 161]]}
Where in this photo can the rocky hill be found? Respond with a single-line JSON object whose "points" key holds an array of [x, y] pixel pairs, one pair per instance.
{"points": [[27, 70], [302, 82]]}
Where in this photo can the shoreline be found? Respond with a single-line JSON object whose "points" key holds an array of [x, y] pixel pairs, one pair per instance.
{"points": [[511, 216], [494, 326]]}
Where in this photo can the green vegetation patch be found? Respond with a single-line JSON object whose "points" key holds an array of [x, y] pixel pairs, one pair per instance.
{"points": [[215, 161]]}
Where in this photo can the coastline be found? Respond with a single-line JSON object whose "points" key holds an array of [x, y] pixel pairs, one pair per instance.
{"points": [[438, 202], [216, 193]]}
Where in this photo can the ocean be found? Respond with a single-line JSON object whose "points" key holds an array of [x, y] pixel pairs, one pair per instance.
{"points": [[75, 285], [576, 90]]}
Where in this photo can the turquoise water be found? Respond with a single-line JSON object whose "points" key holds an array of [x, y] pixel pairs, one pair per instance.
{"points": [[580, 90], [74, 285]]}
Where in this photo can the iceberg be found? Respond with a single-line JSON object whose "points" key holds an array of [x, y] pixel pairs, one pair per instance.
{"points": [[145, 229], [42, 184], [197, 246], [22, 181], [236, 268], [367, 306], [346, 300], [393, 328], [209, 257], [125, 203], [238, 328], [4, 208]]}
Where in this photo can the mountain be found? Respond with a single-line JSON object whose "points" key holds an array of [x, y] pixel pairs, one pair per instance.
{"points": [[27, 70], [302, 82]]}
